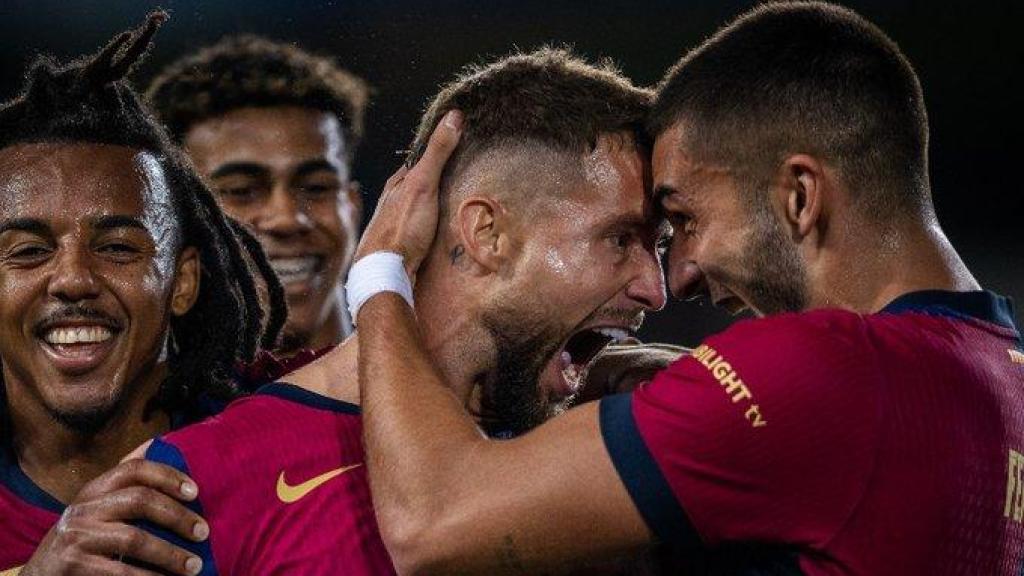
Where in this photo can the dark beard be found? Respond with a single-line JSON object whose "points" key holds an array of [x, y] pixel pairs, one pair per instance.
{"points": [[512, 402], [776, 277], [87, 422]]}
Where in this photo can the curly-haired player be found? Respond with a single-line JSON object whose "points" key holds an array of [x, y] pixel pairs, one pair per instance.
{"points": [[274, 130]]}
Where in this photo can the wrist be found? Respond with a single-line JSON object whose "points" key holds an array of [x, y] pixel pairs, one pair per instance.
{"points": [[380, 271]]}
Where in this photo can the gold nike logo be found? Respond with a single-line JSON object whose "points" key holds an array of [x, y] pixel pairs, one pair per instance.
{"points": [[289, 494]]}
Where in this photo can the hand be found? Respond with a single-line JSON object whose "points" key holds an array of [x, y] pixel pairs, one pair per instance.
{"points": [[621, 368], [94, 532], [405, 220]]}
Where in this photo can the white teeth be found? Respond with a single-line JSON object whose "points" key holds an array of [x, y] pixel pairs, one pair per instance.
{"points": [[78, 335], [290, 270], [616, 334]]}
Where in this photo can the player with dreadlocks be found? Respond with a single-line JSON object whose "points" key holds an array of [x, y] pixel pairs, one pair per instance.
{"points": [[128, 300]]}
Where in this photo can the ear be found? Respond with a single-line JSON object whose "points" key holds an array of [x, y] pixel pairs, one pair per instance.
{"points": [[801, 183], [481, 228], [186, 282]]}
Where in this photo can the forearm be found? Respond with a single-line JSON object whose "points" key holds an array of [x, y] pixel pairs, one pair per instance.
{"points": [[418, 435], [449, 500]]}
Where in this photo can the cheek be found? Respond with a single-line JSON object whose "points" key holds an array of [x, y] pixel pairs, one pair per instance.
{"points": [[144, 289], [333, 221]]}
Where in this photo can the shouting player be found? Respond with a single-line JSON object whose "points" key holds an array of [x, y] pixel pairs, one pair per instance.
{"points": [[274, 131], [547, 254], [127, 301], [871, 423]]}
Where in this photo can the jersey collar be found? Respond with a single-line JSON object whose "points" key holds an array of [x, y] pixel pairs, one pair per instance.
{"points": [[980, 305]]}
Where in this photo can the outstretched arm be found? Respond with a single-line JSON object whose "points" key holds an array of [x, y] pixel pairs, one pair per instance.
{"points": [[448, 499]]}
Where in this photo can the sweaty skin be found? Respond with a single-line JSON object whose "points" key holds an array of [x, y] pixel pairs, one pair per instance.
{"points": [[512, 507], [413, 423]]}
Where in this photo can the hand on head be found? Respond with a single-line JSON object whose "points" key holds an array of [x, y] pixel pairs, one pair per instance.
{"points": [[405, 221]]}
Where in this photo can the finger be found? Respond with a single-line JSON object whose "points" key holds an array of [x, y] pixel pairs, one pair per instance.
{"points": [[139, 453], [125, 541], [154, 475], [100, 566], [140, 503], [397, 176], [442, 142]]}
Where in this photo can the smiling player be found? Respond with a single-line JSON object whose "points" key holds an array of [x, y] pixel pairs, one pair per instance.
{"points": [[127, 299], [872, 423], [274, 130]]}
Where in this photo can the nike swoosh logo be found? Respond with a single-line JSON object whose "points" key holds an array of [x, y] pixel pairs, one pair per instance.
{"points": [[289, 494]]}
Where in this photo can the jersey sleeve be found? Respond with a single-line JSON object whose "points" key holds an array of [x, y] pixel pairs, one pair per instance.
{"points": [[163, 452], [764, 433]]}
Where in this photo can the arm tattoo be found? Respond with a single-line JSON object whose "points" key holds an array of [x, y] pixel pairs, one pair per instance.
{"points": [[456, 253]]}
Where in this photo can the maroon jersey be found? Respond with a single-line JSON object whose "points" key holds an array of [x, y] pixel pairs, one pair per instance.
{"points": [[835, 443], [282, 483], [26, 513]]}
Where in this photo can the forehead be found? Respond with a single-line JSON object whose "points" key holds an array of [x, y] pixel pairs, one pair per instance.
{"points": [[72, 181], [616, 177], [677, 171], [277, 137]]}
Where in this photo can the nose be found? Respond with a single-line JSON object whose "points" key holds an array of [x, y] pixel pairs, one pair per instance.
{"points": [[686, 279], [283, 214], [73, 279], [648, 286]]}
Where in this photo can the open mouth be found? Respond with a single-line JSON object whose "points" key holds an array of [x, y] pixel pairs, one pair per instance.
{"points": [[296, 270], [581, 349]]}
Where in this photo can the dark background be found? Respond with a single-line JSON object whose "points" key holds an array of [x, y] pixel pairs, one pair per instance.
{"points": [[968, 55]]}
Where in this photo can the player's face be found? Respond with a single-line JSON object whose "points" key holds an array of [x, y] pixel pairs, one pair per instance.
{"points": [[88, 271], [724, 246], [283, 172], [589, 268]]}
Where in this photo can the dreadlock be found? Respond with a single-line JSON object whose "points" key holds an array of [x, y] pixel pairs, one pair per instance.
{"points": [[90, 100]]}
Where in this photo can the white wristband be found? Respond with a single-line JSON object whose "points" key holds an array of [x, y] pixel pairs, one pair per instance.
{"points": [[373, 274]]}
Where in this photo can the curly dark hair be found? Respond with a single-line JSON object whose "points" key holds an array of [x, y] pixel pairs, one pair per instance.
{"points": [[549, 96], [244, 71], [89, 100]]}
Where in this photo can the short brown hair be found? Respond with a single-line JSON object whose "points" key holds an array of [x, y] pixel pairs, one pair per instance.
{"points": [[549, 96], [805, 77], [244, 71]]}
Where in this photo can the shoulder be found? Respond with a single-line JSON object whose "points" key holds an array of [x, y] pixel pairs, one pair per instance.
{"points": [[792, 347], [790, 367]]}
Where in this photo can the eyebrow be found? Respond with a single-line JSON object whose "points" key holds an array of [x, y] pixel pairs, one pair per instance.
{"points": [[32, 225], [117, 221], [317, 165], [242, 168]]}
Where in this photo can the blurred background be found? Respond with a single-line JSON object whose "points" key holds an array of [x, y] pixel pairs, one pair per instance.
{"points": [[969, 56]]}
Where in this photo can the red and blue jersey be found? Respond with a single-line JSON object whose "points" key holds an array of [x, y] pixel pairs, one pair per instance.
{"points": [[27, 512], [835, 443], [282, 483]]}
